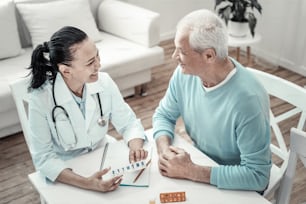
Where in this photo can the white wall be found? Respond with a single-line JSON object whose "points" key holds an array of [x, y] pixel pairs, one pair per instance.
{"points": [[171, 11], [284, 34], [280, 25]]}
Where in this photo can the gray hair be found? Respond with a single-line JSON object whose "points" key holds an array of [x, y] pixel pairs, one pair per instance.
{"points": [[206, 30]]}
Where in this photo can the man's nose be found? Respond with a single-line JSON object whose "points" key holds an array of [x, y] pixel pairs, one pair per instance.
{"points": [[174, 54]]}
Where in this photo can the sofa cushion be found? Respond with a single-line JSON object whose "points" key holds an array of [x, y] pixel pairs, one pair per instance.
{"points": [[14, 69], [44, 18], [24, 34], [121, 57], [9, 38]]}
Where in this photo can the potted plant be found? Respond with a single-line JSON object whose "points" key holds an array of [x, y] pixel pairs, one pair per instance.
{"points": [[239, 11]]}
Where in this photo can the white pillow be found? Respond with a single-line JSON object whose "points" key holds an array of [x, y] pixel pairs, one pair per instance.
{"points": [[9, 38], [44, 18]]}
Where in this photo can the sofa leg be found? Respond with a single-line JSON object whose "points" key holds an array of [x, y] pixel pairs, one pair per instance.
{"points": [[141, 90], [144, 89]]}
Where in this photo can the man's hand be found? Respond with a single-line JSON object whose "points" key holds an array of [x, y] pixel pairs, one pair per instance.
{"points": [[175, 162]]}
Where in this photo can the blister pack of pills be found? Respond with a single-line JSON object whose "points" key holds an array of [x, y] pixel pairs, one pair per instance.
{"points": [[172, 197]]}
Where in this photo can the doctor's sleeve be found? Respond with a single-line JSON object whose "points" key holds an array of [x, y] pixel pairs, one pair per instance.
{"points": [[41, 145], [123, 117]]}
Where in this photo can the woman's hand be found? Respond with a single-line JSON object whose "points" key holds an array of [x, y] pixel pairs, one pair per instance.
{"points": [[97, 183], [137, 153], [94, 182]]}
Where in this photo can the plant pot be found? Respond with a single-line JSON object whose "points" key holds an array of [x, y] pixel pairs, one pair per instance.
{"points": [[238, 29]]}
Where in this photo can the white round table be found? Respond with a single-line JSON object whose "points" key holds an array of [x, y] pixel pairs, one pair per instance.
{"points": [[243, 41]]}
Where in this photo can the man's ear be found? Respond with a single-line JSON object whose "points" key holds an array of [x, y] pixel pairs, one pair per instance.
{"points": [[64, 70], [210, 55]]}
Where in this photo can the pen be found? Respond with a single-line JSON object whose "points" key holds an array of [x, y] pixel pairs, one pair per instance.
{"points": [[141, 171], [104, 155]]}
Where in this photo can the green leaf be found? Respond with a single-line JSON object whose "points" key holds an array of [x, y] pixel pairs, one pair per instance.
{"points": [[255, 4], [217, 2], [236, 10], [225, 13], [252, 23]]}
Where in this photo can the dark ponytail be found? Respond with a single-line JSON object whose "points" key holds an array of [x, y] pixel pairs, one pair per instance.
{"points": [[41, 67], [47, 56]]}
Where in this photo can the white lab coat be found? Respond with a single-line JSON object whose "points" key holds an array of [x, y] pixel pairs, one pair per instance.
{"points": [[50, 146]]}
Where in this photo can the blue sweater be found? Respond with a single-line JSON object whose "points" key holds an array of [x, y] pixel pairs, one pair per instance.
{"points": [[230, 124]]}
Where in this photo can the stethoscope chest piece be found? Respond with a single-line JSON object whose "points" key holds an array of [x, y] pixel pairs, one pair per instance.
{"points": [[102, 121]]}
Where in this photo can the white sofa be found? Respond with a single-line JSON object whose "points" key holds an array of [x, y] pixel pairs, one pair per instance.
{"points": [[128, 49]]}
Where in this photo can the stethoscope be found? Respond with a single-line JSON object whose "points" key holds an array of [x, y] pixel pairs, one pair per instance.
{"points": [[101, 120]]}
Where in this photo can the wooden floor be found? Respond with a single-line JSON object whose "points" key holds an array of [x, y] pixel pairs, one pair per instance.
{"points": [[16, 163]]}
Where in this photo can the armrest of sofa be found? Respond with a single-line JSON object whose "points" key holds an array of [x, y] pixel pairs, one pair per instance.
{"points": [[130, 22]]}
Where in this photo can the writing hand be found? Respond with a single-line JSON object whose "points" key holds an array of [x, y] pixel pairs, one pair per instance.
{"points": [[96, 181]]}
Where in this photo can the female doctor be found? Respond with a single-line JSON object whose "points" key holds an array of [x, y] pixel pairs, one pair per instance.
{"points": [[71, 105]]}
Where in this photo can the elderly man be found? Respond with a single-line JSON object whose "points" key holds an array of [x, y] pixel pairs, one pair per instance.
{"points": [[225, 111]]}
